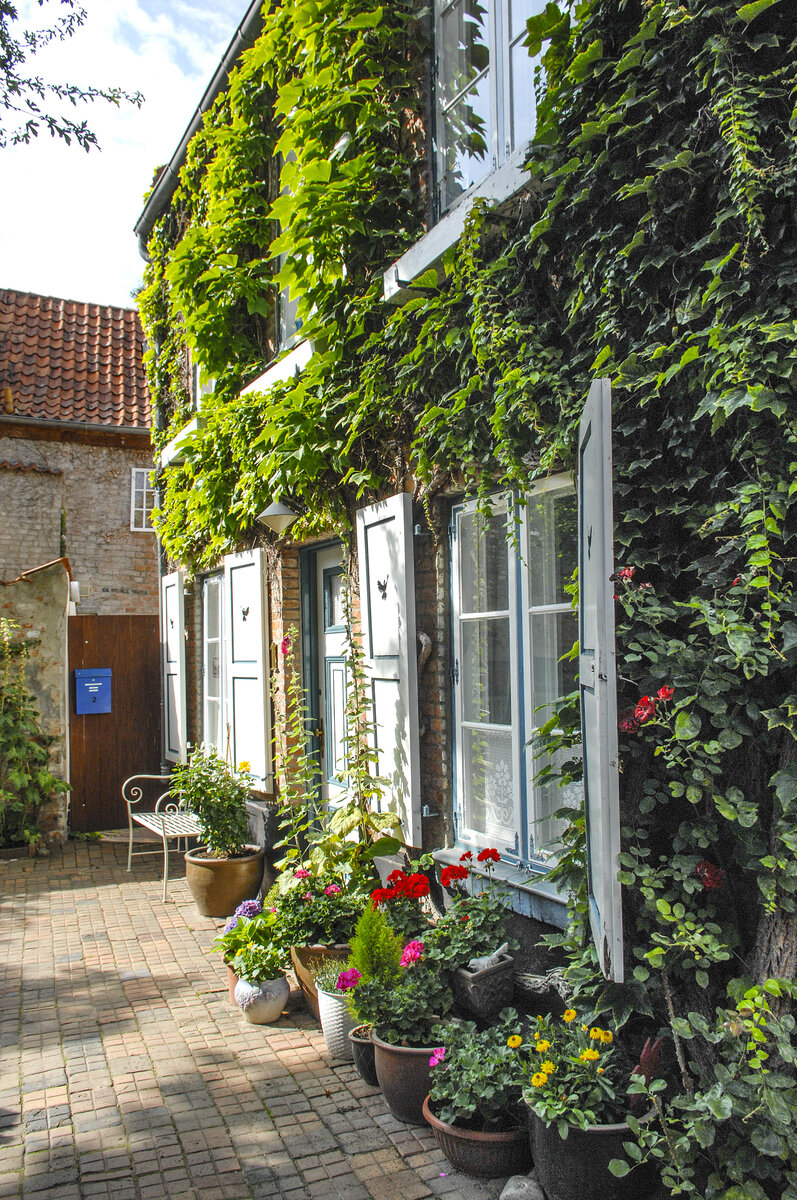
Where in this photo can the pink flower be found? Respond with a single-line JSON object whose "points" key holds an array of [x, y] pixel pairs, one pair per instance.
{"points": [[285, 645], [301, 874], [437, 1056], [331, 890], [626, 573], [412, 952], [348, 979], [308, 896], [272, 910]]}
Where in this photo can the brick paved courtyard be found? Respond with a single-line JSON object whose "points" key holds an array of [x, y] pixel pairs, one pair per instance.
{"points": [[125, 1073]]}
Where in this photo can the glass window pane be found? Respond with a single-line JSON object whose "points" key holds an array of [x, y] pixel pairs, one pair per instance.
{"points": [[524, 103], [483, 563], [545, 830], [467, 135], [519, 13], [464, 52], [485, 671], [551, 553], [489, 784], [333, 612], [552, 635], [212, 608]]}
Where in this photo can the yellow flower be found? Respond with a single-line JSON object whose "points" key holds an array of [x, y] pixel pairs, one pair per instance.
{"points": [[244, 765], [600, 1070], [548, 1067], [514, 1041], [569, 1015], [588, 1055], [536, 1035], [607, 1037], [596, 1034], [585, 1028], [250, 945], [539, 1079], [542, 1046]]}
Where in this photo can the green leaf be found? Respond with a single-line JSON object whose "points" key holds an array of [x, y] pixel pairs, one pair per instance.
{"points": [[619, 1167], [748, 12], [687, 726]]}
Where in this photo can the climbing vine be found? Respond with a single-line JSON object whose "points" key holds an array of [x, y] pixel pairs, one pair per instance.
{"points": [[655, 244]]}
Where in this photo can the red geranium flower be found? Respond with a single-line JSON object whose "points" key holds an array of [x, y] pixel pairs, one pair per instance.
{"points": [[449, 875], [381, 896], [489, 855], [710, 875], [645, 710], [666, 692], [416, 886], [396, 877], [466, 857]]}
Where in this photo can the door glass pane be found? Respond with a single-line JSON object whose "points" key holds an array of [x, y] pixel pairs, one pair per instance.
{"points": [[489, 785], [485, 671], [551, 553], [484, 563], [334, 615], [552, 635]]}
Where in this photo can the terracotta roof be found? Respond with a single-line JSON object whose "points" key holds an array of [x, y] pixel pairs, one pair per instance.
{"points": [[7, 465], [65, 360]]}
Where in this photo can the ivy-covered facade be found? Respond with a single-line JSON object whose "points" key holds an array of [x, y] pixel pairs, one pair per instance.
{"points": [[402, 245]]}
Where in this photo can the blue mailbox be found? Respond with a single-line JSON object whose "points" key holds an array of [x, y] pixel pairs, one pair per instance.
{"points": [[93, 690]]}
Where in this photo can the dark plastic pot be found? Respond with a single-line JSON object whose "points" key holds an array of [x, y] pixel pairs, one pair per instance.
{"points": [[485, 1155], [219, 885], [363, 1050], [404, 1077], [577, 1166]]}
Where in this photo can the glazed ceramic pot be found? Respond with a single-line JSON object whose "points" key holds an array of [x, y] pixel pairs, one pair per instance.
{"points": [[486, 1155], [262, 1003], [404, 1077], [363, 1054], [336, 1024], [219, 885], [306, 961]]}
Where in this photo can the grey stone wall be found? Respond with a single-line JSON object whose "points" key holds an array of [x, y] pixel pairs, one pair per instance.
{"points": [[83, 513]]}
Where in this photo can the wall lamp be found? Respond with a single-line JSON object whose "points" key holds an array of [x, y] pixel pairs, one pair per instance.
{"points": [[277, 517]]}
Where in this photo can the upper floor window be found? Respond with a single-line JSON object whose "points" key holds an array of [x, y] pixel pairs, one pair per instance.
{"points": [[485, 88], [513, 623], [200, 385], [142, 499]]}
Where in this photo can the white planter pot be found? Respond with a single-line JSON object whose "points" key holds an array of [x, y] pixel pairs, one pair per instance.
{"points": [[336, 1021], [262, 1003]]}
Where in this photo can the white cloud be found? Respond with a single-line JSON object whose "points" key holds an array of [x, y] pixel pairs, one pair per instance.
{"points": [[66, 217]]}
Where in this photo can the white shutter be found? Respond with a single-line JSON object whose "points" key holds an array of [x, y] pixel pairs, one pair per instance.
{"points": [[387, 601], [247, 725], [597, 682], [172, 622]]}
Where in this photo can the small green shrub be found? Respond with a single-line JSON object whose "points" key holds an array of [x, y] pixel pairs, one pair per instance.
{"points": [[217, 795]]}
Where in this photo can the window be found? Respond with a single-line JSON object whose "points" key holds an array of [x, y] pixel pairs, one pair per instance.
{"points": [[512, 624], [485, 88], [200, 386], [213, 732], [142, 499]]}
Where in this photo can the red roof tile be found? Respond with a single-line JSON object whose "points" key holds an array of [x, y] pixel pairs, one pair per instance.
{"points": [[65, 360]]}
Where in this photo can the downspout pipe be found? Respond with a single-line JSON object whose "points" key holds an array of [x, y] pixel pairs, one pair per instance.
{"points": [[245, 36]]}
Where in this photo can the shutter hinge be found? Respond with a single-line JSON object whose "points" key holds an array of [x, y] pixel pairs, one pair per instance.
{"points": [[455, 672]]}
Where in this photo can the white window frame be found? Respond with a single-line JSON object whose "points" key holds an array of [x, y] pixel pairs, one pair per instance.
{"points": [[504, 141], [141, 512], [522, 850], [213, 581]]}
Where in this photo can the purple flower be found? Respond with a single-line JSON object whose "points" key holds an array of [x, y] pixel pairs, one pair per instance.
{"points": [[412, 952], [249, 909], [348, 980], [231, 924]]}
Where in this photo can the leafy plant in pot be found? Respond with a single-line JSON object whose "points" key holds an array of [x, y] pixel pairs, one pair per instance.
{"points": [[473, 1106], [262, 990], [402, 996], [226, 869], [575, 1080], [235, 935]]}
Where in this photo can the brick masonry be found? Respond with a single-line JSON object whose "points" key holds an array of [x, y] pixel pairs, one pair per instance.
{"points": [[78, 504], [125, 1073]]}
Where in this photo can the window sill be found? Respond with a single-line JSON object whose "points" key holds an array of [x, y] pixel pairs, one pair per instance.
{"points": [[288, 367], [530, 894], [498, 186], [173, 452]]}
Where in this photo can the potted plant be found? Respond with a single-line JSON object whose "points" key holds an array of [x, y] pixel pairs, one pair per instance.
{"points": [[234, 936], [473, 1106], [332, 986], [402, 996], [470, 941], [575, 1082], [226, 869], [262, 990]]}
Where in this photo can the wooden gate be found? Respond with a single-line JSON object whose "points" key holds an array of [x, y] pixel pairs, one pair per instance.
{"points": [[107, 747]]}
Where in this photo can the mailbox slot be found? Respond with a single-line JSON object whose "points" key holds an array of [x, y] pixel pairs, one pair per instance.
{"points": [[93, 690]]}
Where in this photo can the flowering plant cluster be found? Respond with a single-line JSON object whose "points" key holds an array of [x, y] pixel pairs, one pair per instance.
{"points": [[401, 902], [314, 909], [572, 1073], [242, 929], [330, 978], [476, 1076], [473, 924], [258, 961], [644, 710]]}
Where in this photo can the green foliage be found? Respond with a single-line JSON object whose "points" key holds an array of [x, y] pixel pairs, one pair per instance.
{"points": [[375, 948], [471, 927], [217, 796], [259, 961], [476, 1084], [25, 781], [239, 931], [312, 910]]}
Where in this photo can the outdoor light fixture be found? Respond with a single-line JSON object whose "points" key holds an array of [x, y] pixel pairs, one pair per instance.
{"points": [[277, 516]]}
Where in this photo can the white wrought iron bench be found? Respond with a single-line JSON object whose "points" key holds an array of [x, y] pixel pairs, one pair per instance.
{"points": [[167, 818]]}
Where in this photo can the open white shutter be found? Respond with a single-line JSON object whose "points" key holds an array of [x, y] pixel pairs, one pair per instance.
{"points": [[247, 724], [387, 601], [172, 622], [597, 681]]}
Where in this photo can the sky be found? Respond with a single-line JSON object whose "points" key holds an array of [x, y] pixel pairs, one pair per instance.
{"points": [[67, 217]]}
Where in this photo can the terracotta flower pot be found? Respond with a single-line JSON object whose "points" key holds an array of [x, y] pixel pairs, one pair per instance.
{"points": [[404, 1077], [363, 1054], [484, 1154], [306, 960], [219, 885], [232, 979], [577, 1166]]}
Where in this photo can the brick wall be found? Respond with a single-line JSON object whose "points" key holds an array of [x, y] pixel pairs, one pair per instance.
{"points": [[83, 513]]}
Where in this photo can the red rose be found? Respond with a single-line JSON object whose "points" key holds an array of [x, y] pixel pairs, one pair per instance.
{"points": [[627, 572], [449, 875], [489, 855], [710, 875], [627, 722], [645, 710], [666, 692]]}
